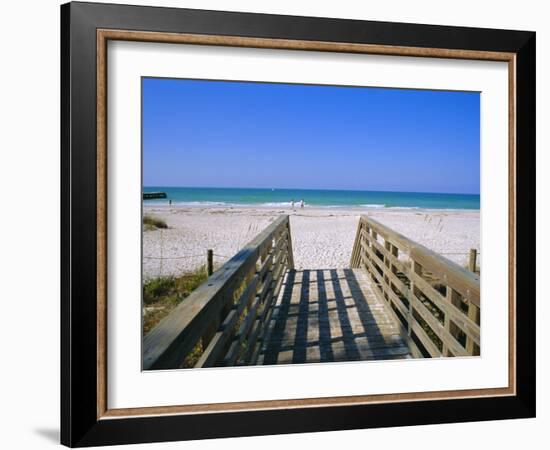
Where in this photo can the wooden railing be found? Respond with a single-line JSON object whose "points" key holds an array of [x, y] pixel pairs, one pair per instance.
{"points": [[434, 300], [222, 322]]}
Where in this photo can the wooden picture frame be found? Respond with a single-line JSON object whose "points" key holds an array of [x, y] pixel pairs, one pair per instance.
{"points": [[85, 416]]}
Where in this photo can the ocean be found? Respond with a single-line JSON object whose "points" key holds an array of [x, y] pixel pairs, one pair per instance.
{"points": [[191, 196]]}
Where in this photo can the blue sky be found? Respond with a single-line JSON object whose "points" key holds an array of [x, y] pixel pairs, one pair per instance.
{"points": [[243, 134]]}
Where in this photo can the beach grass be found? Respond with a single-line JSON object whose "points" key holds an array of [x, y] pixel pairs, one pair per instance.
{"points": [[152, 223], [161, 295]]}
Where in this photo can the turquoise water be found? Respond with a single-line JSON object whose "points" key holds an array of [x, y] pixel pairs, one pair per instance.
{"points": [[187, 196]]}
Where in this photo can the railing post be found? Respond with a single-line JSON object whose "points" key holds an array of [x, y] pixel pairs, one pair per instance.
{"points": [[161, 258], [395, 253], [452, 298], [472, 260], [473, 314], [210, 261], [417, 269], [290, 253], [355, 262], [387, 263]]}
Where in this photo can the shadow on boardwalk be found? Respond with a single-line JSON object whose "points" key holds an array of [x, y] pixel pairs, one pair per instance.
{"points": [[330, 315]]}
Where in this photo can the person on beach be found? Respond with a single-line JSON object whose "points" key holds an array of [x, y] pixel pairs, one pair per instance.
{"points": [[302, 203], [292, 204], [170, 202]]}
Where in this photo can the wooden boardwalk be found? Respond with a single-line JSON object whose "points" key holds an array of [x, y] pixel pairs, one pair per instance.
{"points": [[397, 300], [330, 315]]}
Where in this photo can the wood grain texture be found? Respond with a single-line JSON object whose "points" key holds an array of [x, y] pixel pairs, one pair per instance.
{"points": [[288, 44], [411, 283], [103, 35], [101, 191], [328, 316], [251, 276], [308, 402], [512, 223]]}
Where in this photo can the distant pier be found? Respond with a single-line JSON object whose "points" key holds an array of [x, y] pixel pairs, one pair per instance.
{"points": [[152, 195]]}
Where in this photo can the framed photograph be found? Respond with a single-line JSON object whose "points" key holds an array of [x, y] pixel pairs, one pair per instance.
{"points": [[277, 224]]}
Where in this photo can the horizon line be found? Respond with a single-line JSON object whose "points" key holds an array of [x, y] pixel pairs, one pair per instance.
{"points": [[310, 189]]}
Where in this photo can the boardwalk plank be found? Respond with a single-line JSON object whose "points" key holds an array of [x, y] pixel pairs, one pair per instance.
{"points": [[330, 315]]}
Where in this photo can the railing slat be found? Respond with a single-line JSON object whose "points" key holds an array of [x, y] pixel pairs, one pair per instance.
{"points": [[425, 339], [167, 345], [433, 295], [399, 305], [213, 352], [464, 281], [437, 327], [265, 318], [396, 300], [460, 319], [382, 261]]}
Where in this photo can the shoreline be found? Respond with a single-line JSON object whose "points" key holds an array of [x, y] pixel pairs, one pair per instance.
{"points": [[322, 237], [287, 207]]}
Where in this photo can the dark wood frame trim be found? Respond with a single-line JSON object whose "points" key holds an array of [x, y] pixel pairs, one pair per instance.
{"points": [[86, 28], [103, 36]]}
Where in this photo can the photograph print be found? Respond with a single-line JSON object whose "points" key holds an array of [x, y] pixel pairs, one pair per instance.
{"points": [[298, 224]]}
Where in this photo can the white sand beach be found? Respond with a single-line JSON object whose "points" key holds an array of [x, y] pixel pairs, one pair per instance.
{"points": [[321, 237]]}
